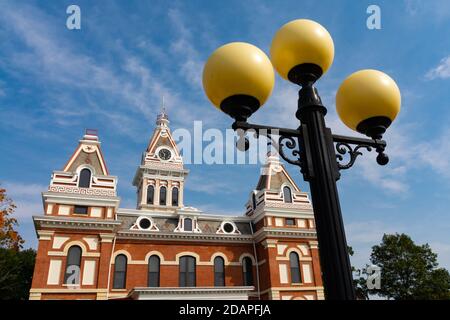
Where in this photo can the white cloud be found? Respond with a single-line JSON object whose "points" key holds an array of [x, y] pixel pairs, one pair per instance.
{"points": [[442, 71], [362, 235], [125, 88], [436, 154], [27, 197], [190, 64], [443, 252]]}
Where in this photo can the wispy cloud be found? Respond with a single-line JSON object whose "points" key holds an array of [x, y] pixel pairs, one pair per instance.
{"points": [[362, 235], [27, 197], [189, 61], [441, 71]]}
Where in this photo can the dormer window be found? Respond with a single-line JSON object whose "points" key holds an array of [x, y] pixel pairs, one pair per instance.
{"points": [[162, 195], [85, 178], [187, 224], [287, 195]]}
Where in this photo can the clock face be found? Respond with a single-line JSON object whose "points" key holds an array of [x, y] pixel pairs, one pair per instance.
{"points": [[164, 154]]}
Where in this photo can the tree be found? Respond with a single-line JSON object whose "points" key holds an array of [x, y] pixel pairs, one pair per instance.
{"points": [[16, 265], [409, 271], [9, 237], [16, 273], [361, 291]]}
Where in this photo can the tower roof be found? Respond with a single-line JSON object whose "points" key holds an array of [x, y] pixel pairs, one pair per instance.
{"points": [[88, 152], [274, 174]]}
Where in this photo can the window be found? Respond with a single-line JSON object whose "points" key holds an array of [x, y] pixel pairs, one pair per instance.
{"points": [[290, 221], [85, 178], [253, 201], [120, 272], [80, 210], [175, 197], [247, 271], [187, 271], [219, 272], [150, 194], [153, 271], [162, 195], [187, 224], [228, 227], [295, 267], [287, 195], [72, 275], [144, 223]]}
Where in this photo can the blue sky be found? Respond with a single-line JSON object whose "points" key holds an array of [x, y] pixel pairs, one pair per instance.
{"points": [[112, 74]]}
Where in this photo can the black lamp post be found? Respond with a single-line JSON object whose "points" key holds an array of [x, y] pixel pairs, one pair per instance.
{"points": [[237, 78]]}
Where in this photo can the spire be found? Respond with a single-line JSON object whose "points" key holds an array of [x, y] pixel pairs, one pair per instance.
{"points": [[163, 119]]}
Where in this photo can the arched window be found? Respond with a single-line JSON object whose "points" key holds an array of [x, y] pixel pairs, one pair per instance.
{"points": [[162, 195], [247, 271], [187, 271], [72, 275], [150, 194], [287, 194], [85, 178], [219, 272], [120, 272], [187, 224], [295, 267], [175, 197], [153, 271]]}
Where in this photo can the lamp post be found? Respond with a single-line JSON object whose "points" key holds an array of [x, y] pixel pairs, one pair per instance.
{"points": [[238, 78]]}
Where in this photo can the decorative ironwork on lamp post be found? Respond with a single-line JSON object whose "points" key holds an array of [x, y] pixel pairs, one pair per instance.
{"points": [[238, 78]]}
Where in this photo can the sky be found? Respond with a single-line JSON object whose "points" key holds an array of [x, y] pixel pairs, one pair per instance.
{"points": [[112, 73]]}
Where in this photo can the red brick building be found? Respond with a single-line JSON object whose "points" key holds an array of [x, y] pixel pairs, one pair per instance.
{"points": [[90, 248]]}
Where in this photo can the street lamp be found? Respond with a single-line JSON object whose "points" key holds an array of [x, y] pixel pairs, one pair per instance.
{"points": [[238, 78]]}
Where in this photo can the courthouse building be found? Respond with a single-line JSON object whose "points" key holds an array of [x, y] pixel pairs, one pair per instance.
{"points": [[91, 248]]}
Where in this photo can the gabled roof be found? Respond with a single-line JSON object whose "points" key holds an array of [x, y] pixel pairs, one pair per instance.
{"points": [[88, 152], [162, 136], [274, 175]]}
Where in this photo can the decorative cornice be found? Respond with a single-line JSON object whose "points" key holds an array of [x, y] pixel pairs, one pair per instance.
{"points": [[180, 236], [201, 216], [80, 199], [191, 291], [70, 223], [283, 233], [269, 243], [45, 234]]}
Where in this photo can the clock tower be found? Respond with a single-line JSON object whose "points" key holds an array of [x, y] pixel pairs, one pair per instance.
{"points": [[160, 177]]}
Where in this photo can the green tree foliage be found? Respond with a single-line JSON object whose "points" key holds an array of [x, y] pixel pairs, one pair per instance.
{"points": [[408, 271], [16, 265], [9, 238], [16, 272]]}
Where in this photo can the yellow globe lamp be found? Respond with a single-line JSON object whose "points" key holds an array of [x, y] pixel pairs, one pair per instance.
{"points": [[368, 101], [238, 78], [301, 51]]}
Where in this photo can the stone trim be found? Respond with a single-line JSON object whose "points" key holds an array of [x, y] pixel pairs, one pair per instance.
{"points": [[70, 223], [197, 293], [180, 236]]}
